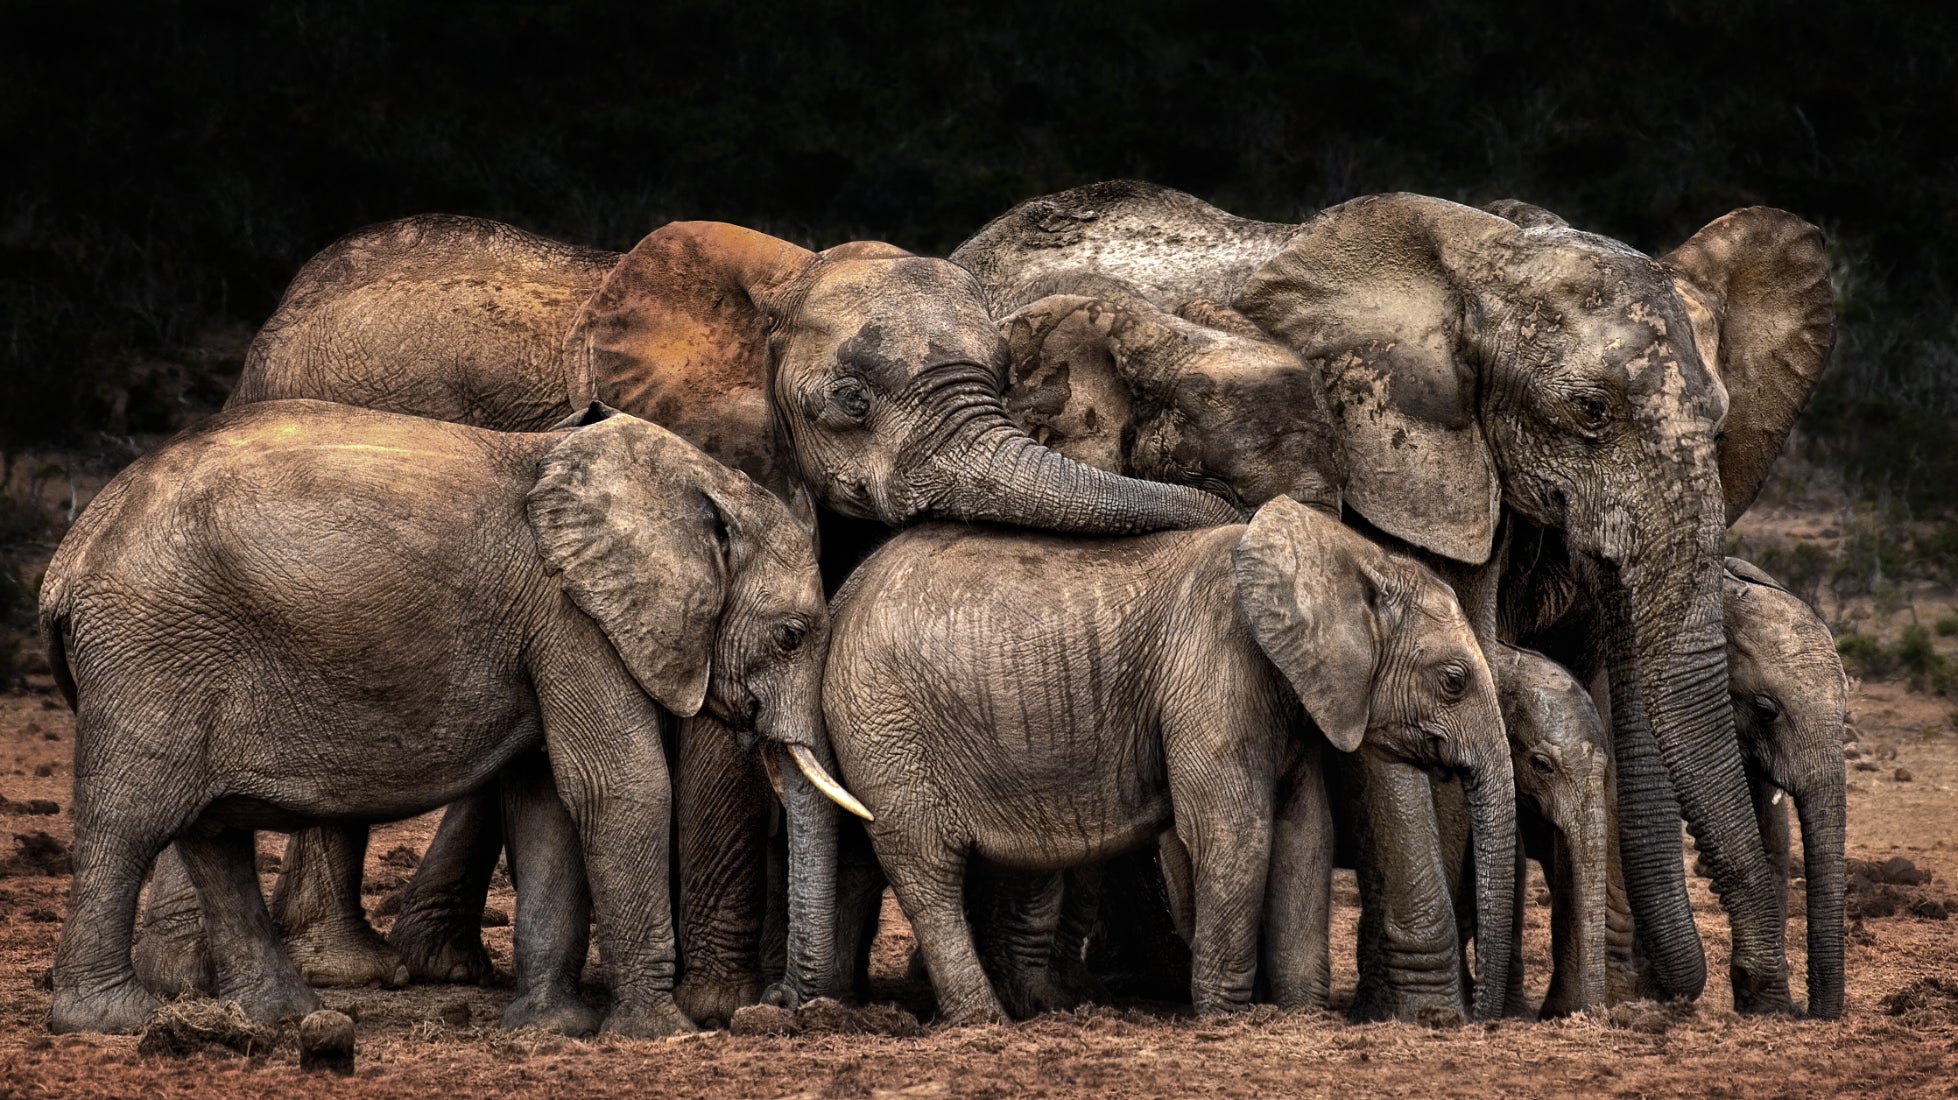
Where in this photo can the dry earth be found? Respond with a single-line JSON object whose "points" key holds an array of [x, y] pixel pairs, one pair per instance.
{"points": [[1900, 1035]]}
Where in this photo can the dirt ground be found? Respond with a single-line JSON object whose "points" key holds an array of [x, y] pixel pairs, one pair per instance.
{"points": [[1899, 1037]]}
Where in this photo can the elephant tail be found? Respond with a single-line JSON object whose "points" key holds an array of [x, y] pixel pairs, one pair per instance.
{"points": [[54, 636]]}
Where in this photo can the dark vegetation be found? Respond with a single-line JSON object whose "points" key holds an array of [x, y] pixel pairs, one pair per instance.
{"points": [[172, 163]]}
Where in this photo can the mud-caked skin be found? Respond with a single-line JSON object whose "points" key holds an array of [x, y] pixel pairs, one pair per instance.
{"points": [[1477, 362], [304, 612], [1790, 698], [1045, 702], [864, 374]]}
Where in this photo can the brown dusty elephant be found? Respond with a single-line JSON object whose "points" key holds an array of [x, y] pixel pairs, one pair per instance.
{"points": [[1479, 364], [303, 611], [1043, 702], [864, 374]]}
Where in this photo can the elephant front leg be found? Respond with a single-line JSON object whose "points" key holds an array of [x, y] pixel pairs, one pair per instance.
{"points": [[1409, 953], [1298, 896], [439, 930], [317, 905], [723, 801], [1230, 857]]}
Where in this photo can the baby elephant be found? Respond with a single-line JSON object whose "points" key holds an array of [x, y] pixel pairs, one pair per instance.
{"points": [[1789, 699], [306, 613], [1045, 702]]}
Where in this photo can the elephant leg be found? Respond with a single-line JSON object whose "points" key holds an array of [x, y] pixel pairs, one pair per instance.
{"points": [[860, 886], [1136, 949], [552, 930], [1016, 941], [1298, 893], [172, 956], [1409, 947], [317, 904], [1080, 901], [722, 801], [252, 968], [1230, 857], [774, 944], [439, 931], [928, 876]]}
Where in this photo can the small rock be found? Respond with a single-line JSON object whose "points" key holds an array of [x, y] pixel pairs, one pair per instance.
{"points": [[1852, 752], [494, 917], [455, 1013], [1903, 872], [762, 1020], [326, 1043], [1928, 909], [1902, 775], [44, 771], [1866, 766], [183, 1028]]}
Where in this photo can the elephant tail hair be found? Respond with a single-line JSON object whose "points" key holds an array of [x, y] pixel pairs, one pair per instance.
{"points": [[54, 634]]}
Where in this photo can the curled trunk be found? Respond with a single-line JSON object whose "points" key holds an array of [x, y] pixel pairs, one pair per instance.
{"points": [[1491, 790]]}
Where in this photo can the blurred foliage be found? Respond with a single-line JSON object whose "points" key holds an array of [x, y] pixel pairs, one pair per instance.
{"points": [[172, 163]]}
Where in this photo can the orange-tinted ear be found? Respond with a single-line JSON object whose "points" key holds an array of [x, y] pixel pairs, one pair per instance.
{"points": [[864, 250], [682, 304]]}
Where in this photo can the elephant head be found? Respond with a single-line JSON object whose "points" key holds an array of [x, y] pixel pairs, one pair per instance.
{"points": [[1203, 399], [1561, 759], [1789, 701], [1379, 653], [879, 370], [707, 586]]}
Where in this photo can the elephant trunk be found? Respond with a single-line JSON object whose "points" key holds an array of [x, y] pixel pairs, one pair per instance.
{"points": [[1578, 908], [1490, 787], [1677, 750], [1819, 801], [812, 825], [981, 467]]}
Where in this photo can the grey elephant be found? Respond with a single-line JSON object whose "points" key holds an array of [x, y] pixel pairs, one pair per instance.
{"points": [[1789, 698], [304, 612], [1480, 365], [864, 374], [1042, 703]]}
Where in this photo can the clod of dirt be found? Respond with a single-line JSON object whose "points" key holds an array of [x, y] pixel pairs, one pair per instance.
{"points": [[495, 918], [42, 916], [1928, 909], [184, 1028], [39, 854], [33, 807], [1649, 1017], [1440, 1017], [1849, 734], [326, 1043], [825, 1016], [1902, 775], [1896, 870], [1852, 752], [389, 905], [455, 1013], [1867, 766], [1936, 994], [44, 771], [402, 856]]}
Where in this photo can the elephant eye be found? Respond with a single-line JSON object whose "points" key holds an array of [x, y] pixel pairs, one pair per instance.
{"points": [[788, 637], [1454, 681], [850, 397], [1592, 408], [1541, 764], [1766, 709]]}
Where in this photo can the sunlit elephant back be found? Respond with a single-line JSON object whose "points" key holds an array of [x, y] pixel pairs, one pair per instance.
{"points": [[1474, 363]]}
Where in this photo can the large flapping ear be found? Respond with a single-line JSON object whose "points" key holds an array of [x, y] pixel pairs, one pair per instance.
{"points": [[1062, 387], [1311, 591], [1756, 285], [685, 304], [1752, 574], [632, 518], [1374, 295], [864, 250]]}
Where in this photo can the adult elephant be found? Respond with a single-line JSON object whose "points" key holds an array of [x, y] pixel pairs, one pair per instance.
{"points": [[866, 375], [1479, 361]]}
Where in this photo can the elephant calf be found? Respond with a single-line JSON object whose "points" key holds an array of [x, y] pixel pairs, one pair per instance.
{"points": [[1045, 702], [305, 612]]}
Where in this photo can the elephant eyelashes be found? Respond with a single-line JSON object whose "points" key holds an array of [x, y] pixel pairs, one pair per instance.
{"points": [[1542, 765], [1454, 681], [788, 637]]}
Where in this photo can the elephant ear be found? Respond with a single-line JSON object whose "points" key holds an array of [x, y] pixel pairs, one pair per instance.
{"points": [[1062, 386], [1755, 284], [1312, 593], [864, 250], [685, 303], [633, 520], [1752, 574], [1525, 214], [1370, 295]]}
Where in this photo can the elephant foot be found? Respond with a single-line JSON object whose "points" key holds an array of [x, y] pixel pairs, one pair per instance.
{"points": [[345, 955], [1756, 996], [713, 1001], [1075, 984], [783, 994], [118, 1010], [1034, 994], [553, 1008], [172, 958], [441, 951], [1380, 1002], [985, 1012], [652, 1020], [270, 1001]]}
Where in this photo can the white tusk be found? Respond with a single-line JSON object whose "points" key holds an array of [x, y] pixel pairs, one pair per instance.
{"points": [[774, 776], [1776, 800], [812, 770]]}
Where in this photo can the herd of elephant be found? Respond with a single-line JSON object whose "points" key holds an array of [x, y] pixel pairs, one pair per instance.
{"points": [[1229, 551]]}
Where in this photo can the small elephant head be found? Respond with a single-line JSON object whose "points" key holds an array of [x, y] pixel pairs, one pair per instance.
{"points": [[1378, 651], [1202, 399], [879, 370], [705, 584], [1562, 761], [1790, 697]]}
